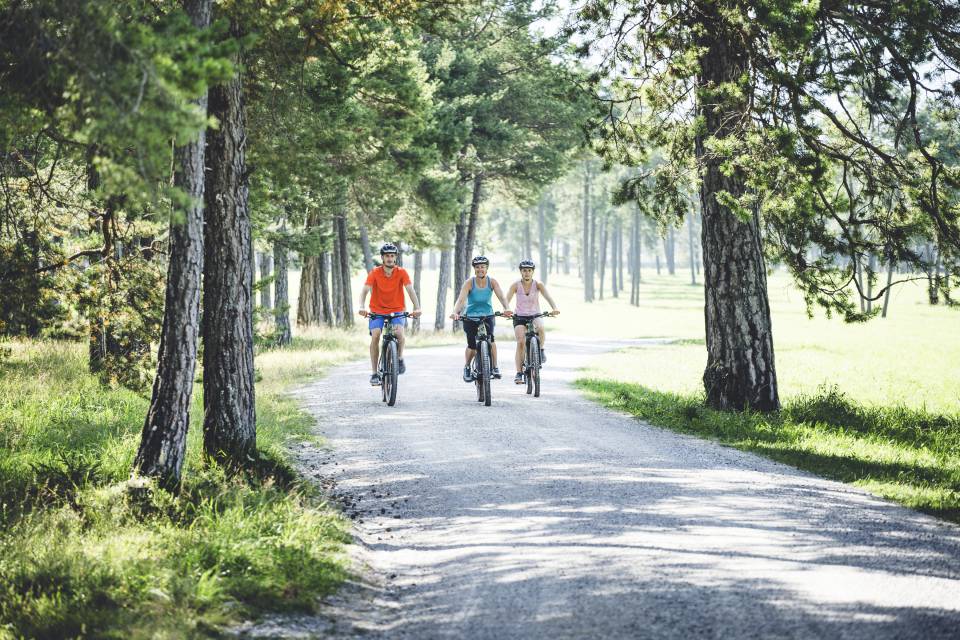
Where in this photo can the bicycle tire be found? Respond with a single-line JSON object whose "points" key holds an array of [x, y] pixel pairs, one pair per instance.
{"points": [[485, 371], [392, 373], [383, 372], [527, 365], [477, 377], [535, 365]]}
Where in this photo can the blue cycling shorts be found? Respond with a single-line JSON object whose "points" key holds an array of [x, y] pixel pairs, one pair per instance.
{"points": [[377, 323]]}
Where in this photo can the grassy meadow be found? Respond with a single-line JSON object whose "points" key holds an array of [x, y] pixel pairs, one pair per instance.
{"points": [[874, 404]]}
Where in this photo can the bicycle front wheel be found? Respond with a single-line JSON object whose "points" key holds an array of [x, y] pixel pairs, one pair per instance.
{"points": [[533, 377], [485, 371], [478, 376], [391, 374]]}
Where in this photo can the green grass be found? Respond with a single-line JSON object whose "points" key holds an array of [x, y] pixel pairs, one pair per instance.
{"points": [[907, 455], [874, 404], [83, 552]]}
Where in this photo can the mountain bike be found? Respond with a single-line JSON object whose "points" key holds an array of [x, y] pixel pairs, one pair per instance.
{"points": [[389, 360], [481, 366], [531, 355]]}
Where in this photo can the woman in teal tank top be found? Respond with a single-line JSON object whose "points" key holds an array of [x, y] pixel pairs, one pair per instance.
{"points": [[476, 295]]}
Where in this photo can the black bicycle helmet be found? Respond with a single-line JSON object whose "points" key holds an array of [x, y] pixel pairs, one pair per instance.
{"points": [[388, 248], [480, 260], [527, 264]]}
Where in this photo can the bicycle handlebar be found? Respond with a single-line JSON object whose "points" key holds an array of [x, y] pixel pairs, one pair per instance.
{"points": [[397, 314], [479, 318]]}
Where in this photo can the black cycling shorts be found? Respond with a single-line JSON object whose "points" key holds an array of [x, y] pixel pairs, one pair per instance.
{"points": [[521, 321], [471, 326]]}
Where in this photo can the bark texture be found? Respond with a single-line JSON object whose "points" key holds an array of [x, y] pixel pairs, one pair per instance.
{"points": [[740, 370], [346, 294], [229, 426], [164, 437], [417, 273], [281, 312], [443, 289], [266, 270]]}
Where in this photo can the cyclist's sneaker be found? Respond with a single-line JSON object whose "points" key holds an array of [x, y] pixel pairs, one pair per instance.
{"points": [[467, 375], [543, 357], [518, 379], [403, 367], [375, 380], [495, 374]]}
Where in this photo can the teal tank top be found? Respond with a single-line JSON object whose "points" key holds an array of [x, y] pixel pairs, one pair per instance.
{"points": [[479, 301]]}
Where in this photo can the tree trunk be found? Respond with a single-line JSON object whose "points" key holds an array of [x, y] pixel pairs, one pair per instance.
{"points": [[446, 257], [566, 258], [693, 249], [542, 235], [433, 260], [281, 312], [336, 280], [740, 370], [460, 258], [602, 262], [417, 272], [658, 264], [365, 245], [229, 426], [636, 249], [164, 437], [886, 294], [308, 301], [669, 249], [266, 270], [594, 254], [614, 266], [587, 244], [871, 268], [472, 222], [346, 291], [324, 261]]}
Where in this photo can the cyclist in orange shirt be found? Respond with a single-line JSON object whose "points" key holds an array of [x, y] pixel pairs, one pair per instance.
{"points": [[387, 283]]}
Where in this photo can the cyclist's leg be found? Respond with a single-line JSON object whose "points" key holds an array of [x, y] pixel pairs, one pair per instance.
{"points": [[520, 332], [539, 325], [375, 349], [398, 330]]}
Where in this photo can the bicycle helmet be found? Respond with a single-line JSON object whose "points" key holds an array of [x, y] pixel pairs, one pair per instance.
{"points": [[480, 260], [388, 248], [527, 264]]}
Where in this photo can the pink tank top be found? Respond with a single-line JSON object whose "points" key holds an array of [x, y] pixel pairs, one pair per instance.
{"points": [[528, 304]]}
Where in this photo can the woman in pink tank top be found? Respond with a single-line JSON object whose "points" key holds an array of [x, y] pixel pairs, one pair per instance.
{"points": [[528, 293]]}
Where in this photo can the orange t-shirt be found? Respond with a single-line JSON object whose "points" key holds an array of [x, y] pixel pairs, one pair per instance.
{"points": [[387, 293]]}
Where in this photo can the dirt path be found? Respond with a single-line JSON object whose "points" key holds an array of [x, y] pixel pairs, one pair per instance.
{"points": [[556, 518]]}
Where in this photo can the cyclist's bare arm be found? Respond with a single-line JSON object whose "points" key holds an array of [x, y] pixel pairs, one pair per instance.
{"points": [[546, 294], [461, 301], [363, 299], [503, 301], [510, 292], [413, 300]]}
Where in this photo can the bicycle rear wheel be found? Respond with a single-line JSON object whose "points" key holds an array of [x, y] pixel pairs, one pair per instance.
{"points": [[485, 371], [533, 376], [391, 374]]}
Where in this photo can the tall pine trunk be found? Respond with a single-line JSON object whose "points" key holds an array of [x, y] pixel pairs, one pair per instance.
{"points": [[542, 235], [602, 262], [229, 426], [365, 245], [266, 270], [615, 259], [323, 276], [669, 250], [693, 249], [443, 289], [281, 312], [472, 222], [635, 256], [586, 253], [417, 273], [346, 294], [164, 438], [740, 370], [336, 281], [309, 312]]}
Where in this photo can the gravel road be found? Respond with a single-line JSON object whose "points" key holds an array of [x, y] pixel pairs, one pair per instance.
{"points": [[557, 518]]}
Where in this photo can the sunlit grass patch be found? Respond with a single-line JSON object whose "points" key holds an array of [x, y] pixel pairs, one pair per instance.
{"points": [[84, 553], [908, 455]]}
